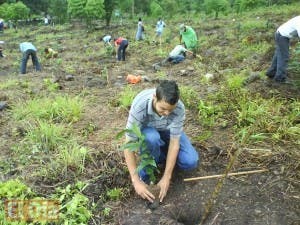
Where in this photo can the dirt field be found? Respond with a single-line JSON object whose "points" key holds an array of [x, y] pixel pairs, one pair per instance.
{"points": [[271, 197]]}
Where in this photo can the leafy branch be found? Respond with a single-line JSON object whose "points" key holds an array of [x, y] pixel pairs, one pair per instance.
{"points": [[146, 160]]}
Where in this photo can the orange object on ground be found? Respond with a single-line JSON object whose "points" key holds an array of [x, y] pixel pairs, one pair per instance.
{"points": [[132, 79]]}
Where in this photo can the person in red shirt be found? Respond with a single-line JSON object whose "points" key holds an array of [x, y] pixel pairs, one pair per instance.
{"points": [[121, 44]]}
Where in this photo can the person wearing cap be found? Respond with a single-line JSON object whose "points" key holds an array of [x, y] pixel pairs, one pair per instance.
{"points": [[285, 32], [160, 115], [28, 49], [106, 39], [188, 36], [121, 44]]}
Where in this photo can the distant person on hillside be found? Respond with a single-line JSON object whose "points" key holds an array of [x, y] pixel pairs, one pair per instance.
{"points": [[28, 49], [121, 44], [160, 115], [177, 55], [1, 53], [46, 21], [1, 26], [160, 25], [278, 68], [188, 36], [106, 39], [50, 53], [140, 31]]}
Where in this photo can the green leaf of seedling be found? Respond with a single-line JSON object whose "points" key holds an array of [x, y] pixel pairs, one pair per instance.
{"points": [[136, 130], [121, 133], [131, 146]]}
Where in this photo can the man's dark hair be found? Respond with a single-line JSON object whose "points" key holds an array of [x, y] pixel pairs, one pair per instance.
{"points": [[168, 91]]}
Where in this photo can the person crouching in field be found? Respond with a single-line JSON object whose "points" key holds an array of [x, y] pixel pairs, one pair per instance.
{"points": [[50, 53], [177, 55], [160, 115], [28, 49], [106, 39], [121, 44]]}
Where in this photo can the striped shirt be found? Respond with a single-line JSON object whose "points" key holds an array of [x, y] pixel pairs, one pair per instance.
{"points": [[142, 113]]}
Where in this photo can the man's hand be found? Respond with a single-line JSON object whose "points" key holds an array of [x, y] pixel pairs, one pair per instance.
{"points": [[164, 184], [141, 189]]}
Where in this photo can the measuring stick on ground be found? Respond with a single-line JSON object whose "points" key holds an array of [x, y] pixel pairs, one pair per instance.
{"points": [[228, 175]]}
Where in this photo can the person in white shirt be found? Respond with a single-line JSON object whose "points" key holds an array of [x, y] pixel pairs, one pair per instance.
{"points": [[177, 55], [106, 39], [278, 68], [160, 25]]}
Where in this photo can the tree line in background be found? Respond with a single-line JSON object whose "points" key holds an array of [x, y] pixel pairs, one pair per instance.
{"points": [[90, 10]]}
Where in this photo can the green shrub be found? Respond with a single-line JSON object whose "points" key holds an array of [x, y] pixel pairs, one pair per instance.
{"points": [[189, 96], [126, 97]]}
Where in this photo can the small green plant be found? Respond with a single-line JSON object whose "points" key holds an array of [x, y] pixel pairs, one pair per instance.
{"points": [[109, 50], [44, 136], [73, 156], [208, 113], [51, 86], [189, 96], [106, 211], [14, 189], [235, 82], [74, 205], [115, 194], [146, 160], [126, 97]]}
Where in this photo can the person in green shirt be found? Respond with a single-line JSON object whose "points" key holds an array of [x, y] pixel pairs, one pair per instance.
{"points": [[188, 36]]}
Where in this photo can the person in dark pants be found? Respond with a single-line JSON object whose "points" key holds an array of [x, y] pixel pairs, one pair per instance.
{"points": [[28, 49], [278, 68], [121, 44]]}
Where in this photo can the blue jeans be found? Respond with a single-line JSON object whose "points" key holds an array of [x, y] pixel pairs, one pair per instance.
{"points": [[176, 59], [34, 58], [122, 50], [158, 142], [280, 59]]}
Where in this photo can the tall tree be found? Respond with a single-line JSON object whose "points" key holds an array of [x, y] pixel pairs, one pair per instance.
{"points": [[93, 10], [37, 6], [109, 6], [14, 11], [216, 6], [58, 10], [76, 8]]}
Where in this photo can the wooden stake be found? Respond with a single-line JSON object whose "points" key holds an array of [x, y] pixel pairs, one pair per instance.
{"points": [[228, 175]]}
